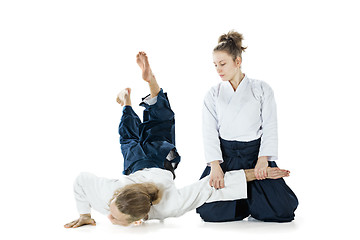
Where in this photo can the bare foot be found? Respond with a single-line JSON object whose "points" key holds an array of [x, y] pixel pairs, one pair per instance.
{"points": [[123, 97], [143, 62], [275, 173]]}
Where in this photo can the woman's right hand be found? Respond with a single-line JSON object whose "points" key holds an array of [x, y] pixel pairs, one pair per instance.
{"points": [[216, 175], [85, 219]]}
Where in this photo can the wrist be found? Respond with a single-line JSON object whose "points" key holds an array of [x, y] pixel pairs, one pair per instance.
{"points": [[263, 159], [215, 163]]}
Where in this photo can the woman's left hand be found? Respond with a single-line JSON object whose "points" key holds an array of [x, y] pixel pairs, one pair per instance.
{"points": [[261, 168]]}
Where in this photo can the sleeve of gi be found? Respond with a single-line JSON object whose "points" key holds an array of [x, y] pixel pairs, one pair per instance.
{"points": [[92, 192], [210, 129], [82, 201], [269, 139], [195, 195]]}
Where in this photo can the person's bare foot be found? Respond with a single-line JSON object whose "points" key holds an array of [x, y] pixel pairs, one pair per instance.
{"points": [[143, 62], [123, 97], [275, 173]]}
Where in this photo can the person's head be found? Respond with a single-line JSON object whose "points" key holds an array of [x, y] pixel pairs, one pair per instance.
{"points": [[132, 203], [227, 55]]}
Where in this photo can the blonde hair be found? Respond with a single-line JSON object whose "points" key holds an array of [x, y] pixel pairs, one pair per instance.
{"points": [[231, 43], [136, 199]]}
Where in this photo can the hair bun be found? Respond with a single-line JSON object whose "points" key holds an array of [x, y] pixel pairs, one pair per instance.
{"points": [[232, 43], [153, 193]]}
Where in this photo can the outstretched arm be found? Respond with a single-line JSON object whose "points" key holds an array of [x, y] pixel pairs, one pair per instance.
{"points": [[195, 195]]}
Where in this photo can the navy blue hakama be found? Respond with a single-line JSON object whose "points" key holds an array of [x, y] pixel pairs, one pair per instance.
{"points": [[269, 200], [146, 144]]}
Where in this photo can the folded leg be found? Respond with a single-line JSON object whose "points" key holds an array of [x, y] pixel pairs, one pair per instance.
{"points": [[129, 139], [129, 126], [271, 200]]}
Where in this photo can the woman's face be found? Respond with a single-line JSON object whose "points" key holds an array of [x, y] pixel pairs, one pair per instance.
{"points": [[226, 67], [117, 217]]}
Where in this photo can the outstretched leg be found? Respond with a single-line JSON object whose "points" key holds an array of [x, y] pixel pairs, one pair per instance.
{"points": [[157, 106], [157, 132], [147, 74]]}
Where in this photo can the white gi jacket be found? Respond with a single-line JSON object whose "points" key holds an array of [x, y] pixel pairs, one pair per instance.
{"points": [[244, 115], [95, 192]]}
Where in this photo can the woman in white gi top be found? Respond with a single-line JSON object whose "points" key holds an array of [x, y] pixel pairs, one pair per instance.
{"points": [[147, 189], [240, 132]]}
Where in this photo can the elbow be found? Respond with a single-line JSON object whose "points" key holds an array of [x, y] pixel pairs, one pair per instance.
{"points": [[81, 178]]}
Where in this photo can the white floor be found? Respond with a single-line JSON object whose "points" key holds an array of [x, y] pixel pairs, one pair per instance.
{"points": [[181, 228], [190, 224], [185, 227]]}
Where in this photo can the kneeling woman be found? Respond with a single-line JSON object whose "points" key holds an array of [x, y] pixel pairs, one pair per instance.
{"points": [[240, 132], [147, 190]]}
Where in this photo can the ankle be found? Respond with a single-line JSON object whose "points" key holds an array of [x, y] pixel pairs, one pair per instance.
{"points": [[127, 102]]}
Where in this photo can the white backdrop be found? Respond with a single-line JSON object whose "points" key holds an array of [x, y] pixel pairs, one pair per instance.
{"points": [[63, 62]]}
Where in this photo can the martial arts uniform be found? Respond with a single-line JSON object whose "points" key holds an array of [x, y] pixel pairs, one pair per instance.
{"points": [[238, 127], [92, 192], [145, 147], [150, 143]]}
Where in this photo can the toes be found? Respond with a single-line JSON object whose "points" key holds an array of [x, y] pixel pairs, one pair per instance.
{"points": [[118, 100]]}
